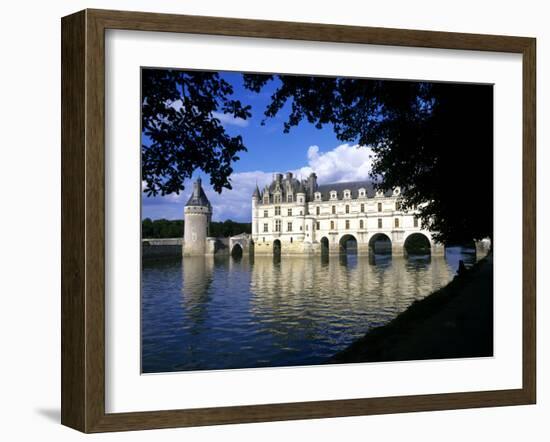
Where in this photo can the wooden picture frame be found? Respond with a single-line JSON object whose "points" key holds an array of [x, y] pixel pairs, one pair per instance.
{"points": [[83, 220]]}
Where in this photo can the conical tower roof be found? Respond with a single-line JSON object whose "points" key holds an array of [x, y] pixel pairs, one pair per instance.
{"points": [[198, 197]]}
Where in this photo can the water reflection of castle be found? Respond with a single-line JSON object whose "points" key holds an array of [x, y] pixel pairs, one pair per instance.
{"points": [[355, 280], [265, 311]]}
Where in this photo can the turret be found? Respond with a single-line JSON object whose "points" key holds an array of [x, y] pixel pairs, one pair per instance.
{"points": [[198, 213], [255, 200], [256, 195]]}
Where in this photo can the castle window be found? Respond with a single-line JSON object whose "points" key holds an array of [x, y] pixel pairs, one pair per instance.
{"points": [[380, 207], [291, 239], [333, 195], [347, 194], [301, 228], [333, 210], [266, 199], [318, 225], [362, 207], [317, 196], [289, 227], [379, 223], [277, 225], [332, 225], [318, 210], [265, 228], [362, 192], [360, 223], [347, 208], [415, 221], [265, 213], [289, 212], [396, 222], [289, 198], [277, 210], [277, 198], [347, 224]]}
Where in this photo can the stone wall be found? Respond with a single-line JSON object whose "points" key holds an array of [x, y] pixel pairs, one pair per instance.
{"points": [[157, 248]]}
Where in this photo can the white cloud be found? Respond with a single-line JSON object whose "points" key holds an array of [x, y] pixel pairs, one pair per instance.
{"points": [[341, 164], [230, 120]]}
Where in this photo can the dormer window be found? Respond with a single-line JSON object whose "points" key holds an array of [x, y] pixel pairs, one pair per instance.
{"points": [[379, 193], [277, 198], [289, 198], [266, 199], [317, 196], [362, 193], [396, 191], [333, 195], [347, 194]]}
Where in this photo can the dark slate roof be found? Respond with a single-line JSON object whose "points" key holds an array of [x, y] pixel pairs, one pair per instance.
{"points": [[256, 192], [198, 197], [352, 186], [288, 182]]}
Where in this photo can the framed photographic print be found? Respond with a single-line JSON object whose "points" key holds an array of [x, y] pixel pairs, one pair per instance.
{"points": [[268, 221]]}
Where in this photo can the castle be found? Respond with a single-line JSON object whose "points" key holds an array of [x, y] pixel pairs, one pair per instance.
{"points": [[301, 217], [293, 216]]}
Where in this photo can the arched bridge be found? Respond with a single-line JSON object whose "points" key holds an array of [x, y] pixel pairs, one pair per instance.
{"points": [[240, 244], [396, 242]]}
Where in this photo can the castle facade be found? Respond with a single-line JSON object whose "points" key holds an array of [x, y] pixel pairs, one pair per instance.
{"points": [[293, 216]]}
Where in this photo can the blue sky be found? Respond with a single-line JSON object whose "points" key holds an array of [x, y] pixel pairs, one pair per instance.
{"points": [[301, 151]]}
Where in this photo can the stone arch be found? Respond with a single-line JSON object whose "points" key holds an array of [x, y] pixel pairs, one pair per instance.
{"points": [[277, 248], [325, 245], [348, 243], [380, 243], [417, 243], [237, 250]]}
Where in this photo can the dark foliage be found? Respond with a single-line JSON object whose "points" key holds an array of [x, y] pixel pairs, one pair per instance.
{"points": [[434, 140], [229, 228], [163, 228], [181, 132]]}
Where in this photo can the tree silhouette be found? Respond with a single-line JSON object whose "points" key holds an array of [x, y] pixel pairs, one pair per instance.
{"points": [[433, 140], [181, 132]]}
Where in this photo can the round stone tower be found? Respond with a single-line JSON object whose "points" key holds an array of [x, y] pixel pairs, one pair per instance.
{"points": [[198, 213]]}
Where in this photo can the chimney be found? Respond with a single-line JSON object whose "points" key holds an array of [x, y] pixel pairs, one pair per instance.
{"points": [[312, 184]]}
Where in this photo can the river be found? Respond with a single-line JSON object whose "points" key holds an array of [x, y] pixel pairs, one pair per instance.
{"points": [[206, 313]]}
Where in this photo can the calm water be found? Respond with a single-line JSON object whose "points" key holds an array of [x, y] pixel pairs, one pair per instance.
{"points": [[205, 313]]}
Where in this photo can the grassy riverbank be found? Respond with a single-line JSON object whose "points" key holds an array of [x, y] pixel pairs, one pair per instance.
{"points": [[453, 322]]}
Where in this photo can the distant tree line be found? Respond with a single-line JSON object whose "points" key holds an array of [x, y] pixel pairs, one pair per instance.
{"points": [[165, 228]]}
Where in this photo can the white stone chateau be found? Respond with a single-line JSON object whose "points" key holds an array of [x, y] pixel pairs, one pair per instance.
{"points": [[301, 217], [292, 216]]}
